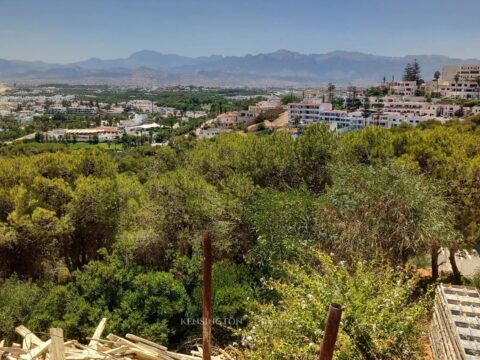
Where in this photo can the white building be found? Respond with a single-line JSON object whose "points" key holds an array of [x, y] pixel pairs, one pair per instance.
{"points": [[101, 133], [57, 110], [404, 88], [195, 114], [142, 128], [314, 112], [209, 133], [82, 110], [417, 108]]}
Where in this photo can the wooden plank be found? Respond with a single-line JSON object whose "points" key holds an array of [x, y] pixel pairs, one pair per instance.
{"points": [[38, 351], [98, 333], [103, 341], [117, 350], [93, 352], [14, 350], [146, 356], [113, 337], [29, 336], [57, 347], [145, 341], [122, 341]]}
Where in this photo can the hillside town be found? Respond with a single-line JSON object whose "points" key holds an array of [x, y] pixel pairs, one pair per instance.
{"points": [[453, 94]]}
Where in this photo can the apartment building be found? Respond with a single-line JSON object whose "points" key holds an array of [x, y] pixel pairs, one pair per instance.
{"points": [[234, 118], [82, 110], [417, 108], [404, 88], [56, 110], [466, 72], [451, 89], [312, 111], [466, 86], [396, 113], [228, 119]]}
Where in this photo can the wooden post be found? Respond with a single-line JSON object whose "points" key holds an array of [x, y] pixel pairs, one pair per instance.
{"points": [[57, 350], [331, 331], [207, 295]]}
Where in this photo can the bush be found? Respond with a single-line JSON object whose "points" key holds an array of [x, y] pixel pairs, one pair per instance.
{"points": [[148, 303], [17, 299], [379, 321], [284, 223]]}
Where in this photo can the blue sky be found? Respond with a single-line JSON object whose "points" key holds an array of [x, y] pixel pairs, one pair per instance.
{"points": [[71, 30]]}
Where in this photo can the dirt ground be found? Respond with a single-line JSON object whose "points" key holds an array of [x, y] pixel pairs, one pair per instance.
{"points": [[279, 122], [425, 340], [3, 88], [427, 349]]}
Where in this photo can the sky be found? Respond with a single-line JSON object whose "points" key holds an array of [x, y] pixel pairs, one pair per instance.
{"points": [[64, 31]]}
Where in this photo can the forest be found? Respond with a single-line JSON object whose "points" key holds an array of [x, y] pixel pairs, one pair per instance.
{"points": [[297, 224]]}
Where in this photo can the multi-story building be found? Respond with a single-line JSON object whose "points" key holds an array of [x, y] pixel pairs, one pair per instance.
{"points": [[56, 110], [82, 110], [234, 118], [395, 114], [417, 108], [466, 72], [404, 88], [457, 82], [311, 111], [462, 89]]}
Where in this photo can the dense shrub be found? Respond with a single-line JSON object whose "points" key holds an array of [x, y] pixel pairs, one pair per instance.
{"points": [[379, 321]]}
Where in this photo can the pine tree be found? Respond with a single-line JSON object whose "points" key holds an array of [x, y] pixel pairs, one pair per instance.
{"points": [[412, 72], [408, 73]]}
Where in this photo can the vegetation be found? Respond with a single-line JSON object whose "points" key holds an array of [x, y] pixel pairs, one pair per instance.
{"points": [[297, 224], [412, 73], [376, 91], [291, 98]]}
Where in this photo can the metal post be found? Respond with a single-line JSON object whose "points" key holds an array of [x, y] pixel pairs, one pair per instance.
{"points": [[207, 295], [331, 331]]}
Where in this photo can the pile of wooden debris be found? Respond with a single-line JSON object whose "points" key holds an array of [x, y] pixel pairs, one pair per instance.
{"points": [[112, 348]]}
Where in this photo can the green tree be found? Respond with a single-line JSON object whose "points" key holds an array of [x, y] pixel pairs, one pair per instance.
{"points": [[436, 76], [94, 212], [410, 217]]}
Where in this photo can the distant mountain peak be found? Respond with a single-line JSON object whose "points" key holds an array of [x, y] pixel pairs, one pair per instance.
{"points": [[280, 67]]}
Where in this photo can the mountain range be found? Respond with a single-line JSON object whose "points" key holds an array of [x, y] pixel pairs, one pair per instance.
{"points": [[279, 68]]}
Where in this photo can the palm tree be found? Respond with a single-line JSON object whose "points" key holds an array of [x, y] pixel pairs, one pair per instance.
{"points": [[436, 76], [296, 120], [457, 79]]}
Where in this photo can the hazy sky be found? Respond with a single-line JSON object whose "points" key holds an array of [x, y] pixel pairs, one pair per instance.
{"points": [[71, 30]]}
